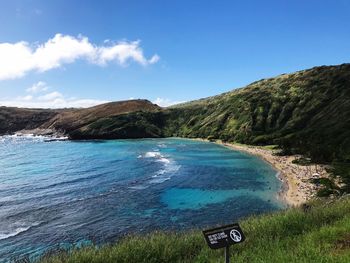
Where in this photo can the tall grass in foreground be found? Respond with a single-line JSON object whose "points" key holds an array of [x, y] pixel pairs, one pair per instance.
{"points": [[320, 234]]}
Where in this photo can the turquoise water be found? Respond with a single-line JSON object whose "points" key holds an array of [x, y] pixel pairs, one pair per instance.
{"points": [[56, 195]]}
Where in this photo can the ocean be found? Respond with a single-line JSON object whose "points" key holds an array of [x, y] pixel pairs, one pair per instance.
{"points": [[58, 195]]}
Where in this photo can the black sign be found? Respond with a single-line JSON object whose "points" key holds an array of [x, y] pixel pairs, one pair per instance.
{"points": [[224, 236]]}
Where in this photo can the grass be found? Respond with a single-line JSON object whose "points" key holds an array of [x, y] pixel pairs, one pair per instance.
{"points": [[320, 234]]}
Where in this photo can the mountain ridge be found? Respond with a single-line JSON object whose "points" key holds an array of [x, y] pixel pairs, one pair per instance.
{"points": [[303, 112]]}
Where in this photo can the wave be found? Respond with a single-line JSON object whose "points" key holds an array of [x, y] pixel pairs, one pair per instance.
{"points": [[138, 187], [153, 155], [169, 168], [55, 139], [18, 137], [165, 174], [163, 160], [159, 180], [157, 155], [16, 231]]}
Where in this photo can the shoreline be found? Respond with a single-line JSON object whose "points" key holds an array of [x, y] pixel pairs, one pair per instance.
{"points": [[296, 187]]}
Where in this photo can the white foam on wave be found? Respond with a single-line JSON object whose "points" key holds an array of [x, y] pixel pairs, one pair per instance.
{"points": [[153, 155], [157, 155], [138, 187], [163, 160], [50, 139], [16, 231], [172, 167], [164, 174], [168, 170], [159, 180], [19, 137]]}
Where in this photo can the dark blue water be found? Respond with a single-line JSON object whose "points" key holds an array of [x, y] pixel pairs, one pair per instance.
{"points": [[57, 194]]}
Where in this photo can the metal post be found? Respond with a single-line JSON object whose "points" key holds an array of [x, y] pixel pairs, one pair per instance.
{"points": [[227, 254]]}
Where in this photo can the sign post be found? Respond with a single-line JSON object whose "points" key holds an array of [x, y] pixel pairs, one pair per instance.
{"points": [[223, 237], [227, 254]]}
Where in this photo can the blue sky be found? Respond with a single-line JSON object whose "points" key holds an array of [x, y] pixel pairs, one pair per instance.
{"points": [[79, 53]]}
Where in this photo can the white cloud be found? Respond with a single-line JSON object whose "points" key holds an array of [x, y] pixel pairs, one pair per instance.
{"points": [[57, 103], [52, 99], [25, 98], [56, 100], [154, 59], [17, 59], [38, 87], [51, 96], [165, 102], [122, 52]]}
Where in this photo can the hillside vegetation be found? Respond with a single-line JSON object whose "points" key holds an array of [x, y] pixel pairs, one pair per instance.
{"points": [[306, 112], [122, 119], [15, 119], [319, 234]]}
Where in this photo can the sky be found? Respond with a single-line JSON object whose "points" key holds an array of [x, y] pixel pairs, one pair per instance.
{"points": [[57, 54]]}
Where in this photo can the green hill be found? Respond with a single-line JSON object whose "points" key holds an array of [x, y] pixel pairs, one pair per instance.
{"points": [[305, 112], [15, 119], [121, 119], [319, 234], [114, 120]]}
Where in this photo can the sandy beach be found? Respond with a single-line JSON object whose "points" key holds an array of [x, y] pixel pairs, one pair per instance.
{"points": [[297, 187]]}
